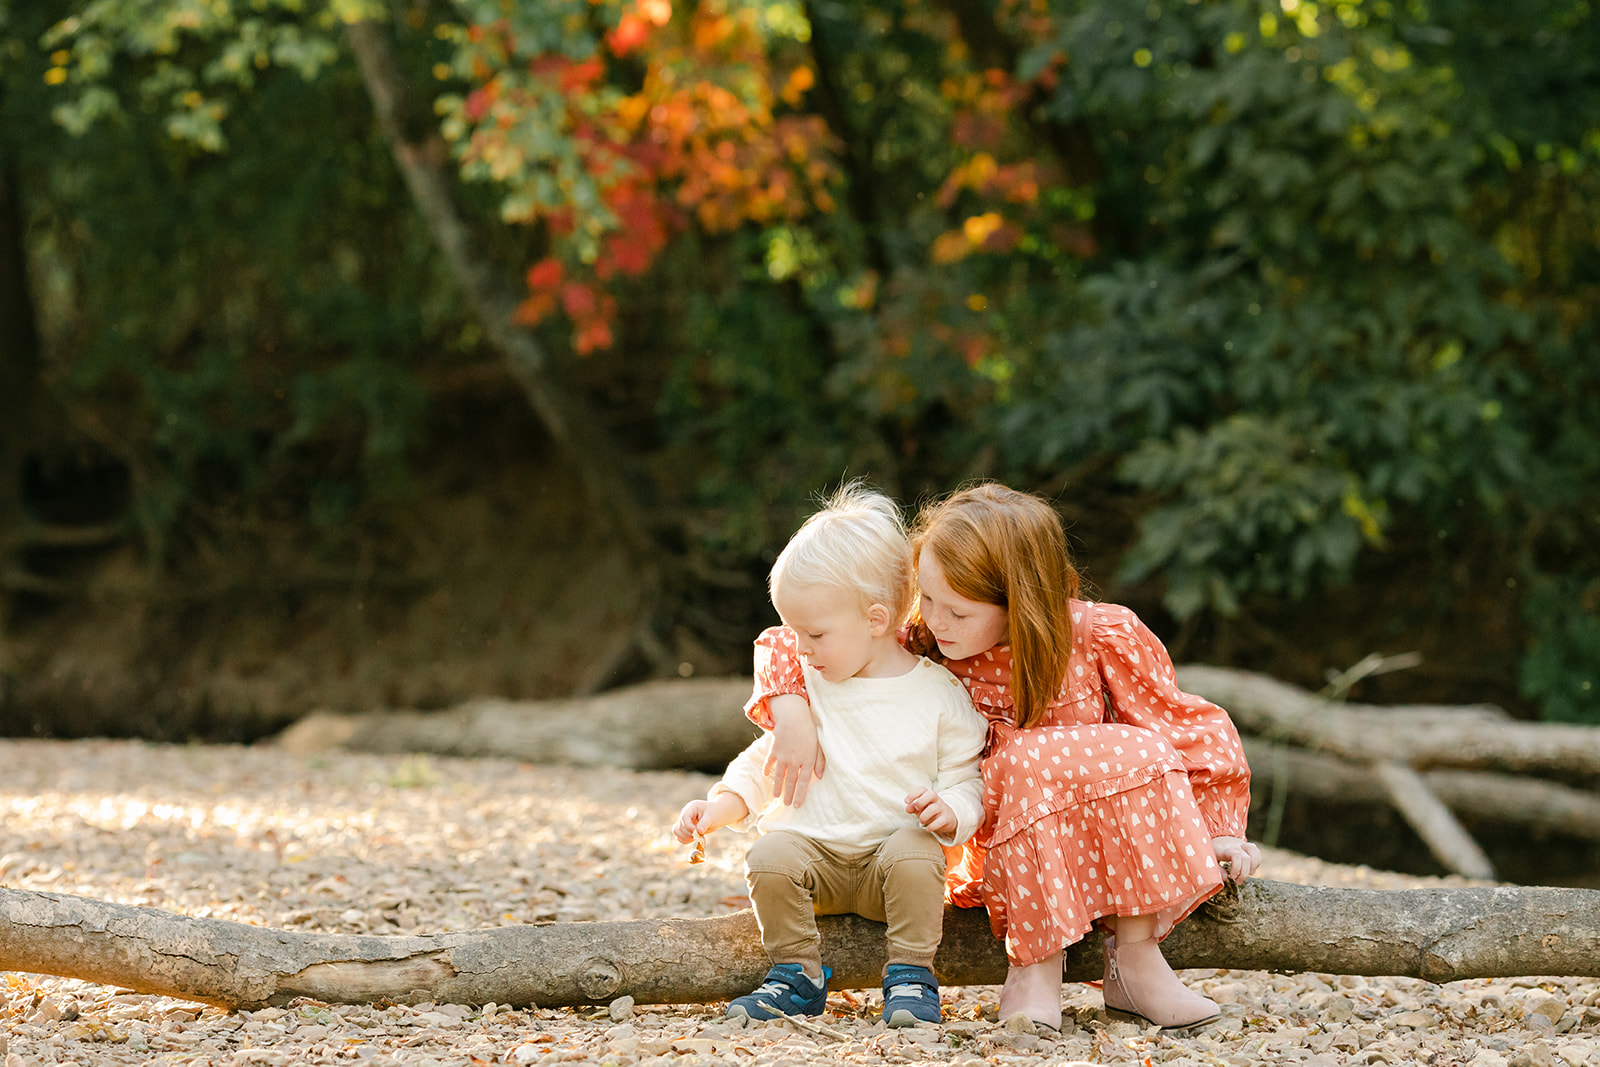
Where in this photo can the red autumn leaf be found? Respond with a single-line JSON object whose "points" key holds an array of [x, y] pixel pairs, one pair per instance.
{"points": [[545, 274], [581, 75], [478, 102], [577, 300]]}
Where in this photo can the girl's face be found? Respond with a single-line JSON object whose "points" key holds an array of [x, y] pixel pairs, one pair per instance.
{"points": [[962, 627], [836, 637]]}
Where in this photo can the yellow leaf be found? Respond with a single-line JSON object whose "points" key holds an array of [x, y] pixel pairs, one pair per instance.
{"points": [[978, 228]]}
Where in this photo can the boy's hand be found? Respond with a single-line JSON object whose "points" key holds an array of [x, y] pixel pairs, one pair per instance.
{"points": [[705, 816], [934, 814], [796, 758]]}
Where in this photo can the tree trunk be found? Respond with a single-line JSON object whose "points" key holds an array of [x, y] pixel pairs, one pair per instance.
{"points": [[600, 462], [657, 725], [1441, 935], [19, 397]]}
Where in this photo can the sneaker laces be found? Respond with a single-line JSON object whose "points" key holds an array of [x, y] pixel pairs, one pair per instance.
{"points": [[778, 988], [775, 988], [909, 989]]}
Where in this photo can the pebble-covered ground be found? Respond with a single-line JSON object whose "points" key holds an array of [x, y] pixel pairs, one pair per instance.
{"points": [[347, 844]]}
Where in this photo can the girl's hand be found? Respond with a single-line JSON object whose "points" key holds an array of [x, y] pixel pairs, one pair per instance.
{"points": [[796, 758], [934, 814], [705, 816], [1238, 857]]}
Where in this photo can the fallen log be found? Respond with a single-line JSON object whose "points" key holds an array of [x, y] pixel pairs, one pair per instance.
{"points": [[1440, 935], [1473, 737], [1478, 796], [695, 723]]}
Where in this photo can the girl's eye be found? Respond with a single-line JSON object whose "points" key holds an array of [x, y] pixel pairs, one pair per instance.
{"points": [[815, 637], [956, 616]]}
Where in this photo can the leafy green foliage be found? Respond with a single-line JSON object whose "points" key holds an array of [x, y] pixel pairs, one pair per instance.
{"points": [[1315, 278], [1562, 668]]}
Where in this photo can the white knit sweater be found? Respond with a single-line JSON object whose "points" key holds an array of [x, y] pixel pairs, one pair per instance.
{"points": [[883, 738]]}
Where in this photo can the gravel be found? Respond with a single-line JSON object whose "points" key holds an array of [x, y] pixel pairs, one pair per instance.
{"points": [[365, 844]]}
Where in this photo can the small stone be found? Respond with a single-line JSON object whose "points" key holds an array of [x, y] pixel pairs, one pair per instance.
{"points": [[1019, 1023], [1338, 1010], [525, 1054], [1575, 1055], [1537, 1054], [621, 1008], [1550, 1009]]}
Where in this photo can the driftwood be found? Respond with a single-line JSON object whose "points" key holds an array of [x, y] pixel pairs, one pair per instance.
{"points": [[690, 723], [1542, 807], [1473, 737], [1440, 935]]}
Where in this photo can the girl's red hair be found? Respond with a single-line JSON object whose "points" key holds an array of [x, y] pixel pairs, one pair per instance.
{"points": [[998, 546]]}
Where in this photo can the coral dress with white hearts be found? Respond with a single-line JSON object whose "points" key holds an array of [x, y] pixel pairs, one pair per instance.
{"points": [[1107, 807]]}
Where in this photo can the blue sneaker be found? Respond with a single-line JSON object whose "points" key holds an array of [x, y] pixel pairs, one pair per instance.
{"points": [[785, 991], [910, 996]]}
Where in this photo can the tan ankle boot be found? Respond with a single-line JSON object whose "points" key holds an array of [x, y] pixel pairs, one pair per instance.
{"points": [[1034, 991], [1139, 983]]}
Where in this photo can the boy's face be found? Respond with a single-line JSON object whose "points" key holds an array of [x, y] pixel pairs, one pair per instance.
{"points": [[836, 636]]}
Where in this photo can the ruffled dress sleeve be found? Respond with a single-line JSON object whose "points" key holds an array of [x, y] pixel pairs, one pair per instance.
{"points": [[778, 672], [1142, 685]]}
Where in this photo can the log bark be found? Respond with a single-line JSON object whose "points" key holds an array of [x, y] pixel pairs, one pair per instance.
{"points": [[1420, 736], [1441, 935], [678, 723]]}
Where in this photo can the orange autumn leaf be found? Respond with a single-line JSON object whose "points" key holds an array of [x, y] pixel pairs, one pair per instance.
{"points": [[593, 336], [535, 309], [800, 79], [949, 247]]}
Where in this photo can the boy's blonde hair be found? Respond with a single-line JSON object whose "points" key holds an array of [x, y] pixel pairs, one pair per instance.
{"points": [[998, 546], [857, 542]]}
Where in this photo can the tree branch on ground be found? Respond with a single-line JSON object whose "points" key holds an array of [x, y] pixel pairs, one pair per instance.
{"points": [[1441, 935]]}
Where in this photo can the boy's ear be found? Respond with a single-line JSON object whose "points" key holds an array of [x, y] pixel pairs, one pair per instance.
{"points": [[878, 619]]}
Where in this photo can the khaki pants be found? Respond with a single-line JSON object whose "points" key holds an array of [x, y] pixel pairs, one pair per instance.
{"points": [[794, 879]]}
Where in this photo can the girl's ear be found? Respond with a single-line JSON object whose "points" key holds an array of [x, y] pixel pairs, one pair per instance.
{"points": [[878, 620]]}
